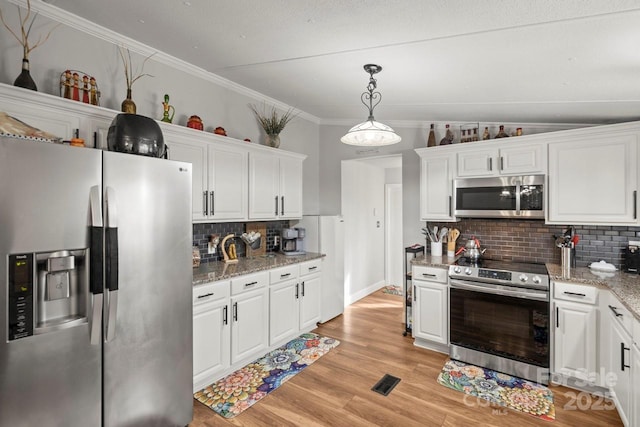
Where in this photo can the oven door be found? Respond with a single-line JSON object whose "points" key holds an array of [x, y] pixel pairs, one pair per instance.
{"points": [[503, 321]]}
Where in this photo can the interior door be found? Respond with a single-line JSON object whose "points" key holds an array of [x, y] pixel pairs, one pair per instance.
{"points": [[148, 354]]}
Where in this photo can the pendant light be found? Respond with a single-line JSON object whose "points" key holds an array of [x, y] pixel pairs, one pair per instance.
{"points": [[370, 132]]}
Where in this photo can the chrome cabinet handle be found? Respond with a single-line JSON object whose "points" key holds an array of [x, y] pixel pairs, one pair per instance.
{"points": [[205, 204], [213, 206]]}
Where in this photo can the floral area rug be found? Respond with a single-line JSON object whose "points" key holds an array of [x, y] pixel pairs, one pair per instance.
{"points": [[240, 390], [502, 389], [392, 289]]}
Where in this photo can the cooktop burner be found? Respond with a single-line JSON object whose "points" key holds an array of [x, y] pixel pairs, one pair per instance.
{"points": [[521, 274], [494, 264]]}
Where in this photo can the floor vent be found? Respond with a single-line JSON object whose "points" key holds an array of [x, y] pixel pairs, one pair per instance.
{"points": [[386, 384]]}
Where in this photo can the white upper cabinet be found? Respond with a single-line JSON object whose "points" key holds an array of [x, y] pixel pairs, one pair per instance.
{"points": [[436, 186], [593, 179], [509, 160], [196, 154], [275, 186]]}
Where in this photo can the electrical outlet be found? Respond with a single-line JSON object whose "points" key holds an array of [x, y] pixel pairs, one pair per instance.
{"points": [[211, 248]]}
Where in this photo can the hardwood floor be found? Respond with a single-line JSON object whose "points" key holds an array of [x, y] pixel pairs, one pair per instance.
{"points": [[336, 390]]}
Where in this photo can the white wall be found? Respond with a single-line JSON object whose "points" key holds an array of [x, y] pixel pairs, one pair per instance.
{"points": [[363, 208], [196, 93]]}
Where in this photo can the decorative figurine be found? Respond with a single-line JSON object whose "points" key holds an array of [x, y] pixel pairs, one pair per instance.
{"points": [[67, 84], [95, 93], [85, 89], [195, 122], [76, 88], [166, 108], [220, 131]]}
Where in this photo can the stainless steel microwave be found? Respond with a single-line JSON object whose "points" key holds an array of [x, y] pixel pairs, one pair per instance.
{"points": [[500, 197]]}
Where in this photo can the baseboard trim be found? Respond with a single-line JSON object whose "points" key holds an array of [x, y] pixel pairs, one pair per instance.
{"points": [[350, 299]]}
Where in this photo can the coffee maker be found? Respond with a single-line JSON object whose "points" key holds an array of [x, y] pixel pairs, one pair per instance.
{"points": [[293, 241]]}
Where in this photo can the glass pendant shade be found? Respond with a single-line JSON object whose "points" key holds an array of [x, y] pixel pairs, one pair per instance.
{"points": [[370, 134]]}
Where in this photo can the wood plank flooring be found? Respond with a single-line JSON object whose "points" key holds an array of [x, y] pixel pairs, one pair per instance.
{"points": [[336, 390]]}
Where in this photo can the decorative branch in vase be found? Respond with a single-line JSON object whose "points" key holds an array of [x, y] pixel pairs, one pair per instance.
{"points": [[24, 79], [272, 123], [128, 106]]}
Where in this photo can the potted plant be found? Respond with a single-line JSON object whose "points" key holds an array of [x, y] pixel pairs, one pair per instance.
{"points": [[272, 123]]}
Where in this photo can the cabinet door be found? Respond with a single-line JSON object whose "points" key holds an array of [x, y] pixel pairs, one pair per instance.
{"points": [[250, 325], [593, 180], [283, 311], [522, 159], [430, 311], [635, 372], [228, 193], [264, 182], [619, 364], [290, 188], [196, 154], [311, 293], [575, 340], [477, 163], [436, 188], [211, 345]]}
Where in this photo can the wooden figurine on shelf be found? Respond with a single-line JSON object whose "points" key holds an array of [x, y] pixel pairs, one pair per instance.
{"points": [[231, 257], [85, 89], [76, 87], [95, 94], [67, 84]]}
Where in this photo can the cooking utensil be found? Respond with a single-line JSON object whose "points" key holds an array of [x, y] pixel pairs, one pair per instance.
{"points": [[454, 234], [443, 233]]}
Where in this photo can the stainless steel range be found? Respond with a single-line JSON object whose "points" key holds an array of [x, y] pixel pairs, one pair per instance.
{"points": [[499, 317]]}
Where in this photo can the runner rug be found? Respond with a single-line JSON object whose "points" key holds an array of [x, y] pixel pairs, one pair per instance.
{"points": [[392, 289], [243, 388], [501, 389]]}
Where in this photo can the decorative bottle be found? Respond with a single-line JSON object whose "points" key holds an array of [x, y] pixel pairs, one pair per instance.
{"points": [[486, 135], [431, 141], [463, 138], [24, 79], [448, 137], [502, 133]]}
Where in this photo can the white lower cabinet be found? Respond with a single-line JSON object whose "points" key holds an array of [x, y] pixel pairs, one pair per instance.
{"points": [[620, 366], [283, 310], [430, 305], [310, 295], [249, 324], [211, 332], [575, 340], [635, 381]]}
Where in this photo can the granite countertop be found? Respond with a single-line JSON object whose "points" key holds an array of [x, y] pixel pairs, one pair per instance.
{"points": [[433, 261], [218, 270], [625, 286]]}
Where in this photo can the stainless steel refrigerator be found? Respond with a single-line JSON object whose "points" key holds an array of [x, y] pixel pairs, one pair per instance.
{"points": [[325, 234], [95, 295]]}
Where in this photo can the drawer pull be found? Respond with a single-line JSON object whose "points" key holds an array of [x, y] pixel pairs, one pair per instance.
{"points": [[250, 284], [429, 275], [615, 311], [205, 295], [575, 294], [282, 276], [313, 268]]}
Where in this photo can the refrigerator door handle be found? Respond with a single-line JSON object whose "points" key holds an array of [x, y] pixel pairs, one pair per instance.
{"points": [[111, 249], [96, 282]]}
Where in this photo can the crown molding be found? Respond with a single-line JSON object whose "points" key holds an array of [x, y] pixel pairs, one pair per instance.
{"points": [[81, 24]]}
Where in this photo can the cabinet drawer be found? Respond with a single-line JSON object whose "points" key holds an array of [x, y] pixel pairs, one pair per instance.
{"points": [[621, 314], [249, 282], [210, 292], [281, 274], [311, 267], [574, 292], [431, 274]]}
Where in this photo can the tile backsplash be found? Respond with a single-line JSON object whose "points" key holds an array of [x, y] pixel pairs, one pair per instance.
{"points": [[201, 233], [532, 240]]}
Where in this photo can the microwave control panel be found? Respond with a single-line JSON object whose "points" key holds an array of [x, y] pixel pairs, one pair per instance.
{"points": [[20, 299]]}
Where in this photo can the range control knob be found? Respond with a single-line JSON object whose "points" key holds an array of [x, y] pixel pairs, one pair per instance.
{"points": [[457, 270], [536, 280], [467, 271], [523, 278]]}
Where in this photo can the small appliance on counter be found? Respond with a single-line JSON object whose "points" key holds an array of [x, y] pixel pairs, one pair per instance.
{"points": [[632, 257], [293, 241]]}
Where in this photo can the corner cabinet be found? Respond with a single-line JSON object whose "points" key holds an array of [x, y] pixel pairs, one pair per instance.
{"points": [[593, 179], [436, 186], [275, 185]]}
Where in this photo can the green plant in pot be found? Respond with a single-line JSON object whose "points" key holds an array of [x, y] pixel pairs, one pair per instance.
{"points": [[272, 123], [24, 79]]}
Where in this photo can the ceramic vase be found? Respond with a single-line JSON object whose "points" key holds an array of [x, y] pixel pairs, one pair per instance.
{"points": [[272, 140], [128, 106], [24, 79]]}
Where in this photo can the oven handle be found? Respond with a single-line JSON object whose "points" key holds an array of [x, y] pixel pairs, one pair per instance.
{"points": [[487, 288]]}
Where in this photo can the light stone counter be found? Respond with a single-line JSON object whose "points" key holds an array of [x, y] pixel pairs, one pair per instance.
{"points": [[218, 270], [625, 286], [433, 261]]}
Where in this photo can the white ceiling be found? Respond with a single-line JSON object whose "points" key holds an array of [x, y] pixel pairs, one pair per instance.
{"points": [[556, 61]]}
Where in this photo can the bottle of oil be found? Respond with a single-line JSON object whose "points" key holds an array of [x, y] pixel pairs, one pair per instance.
{"points": [[448, 137], [431, 141]]}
